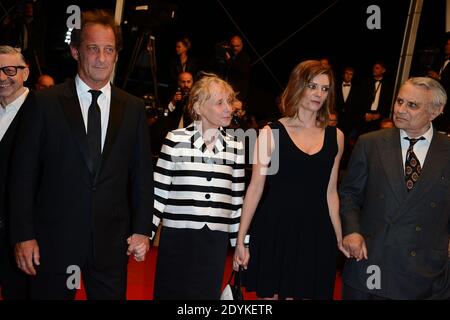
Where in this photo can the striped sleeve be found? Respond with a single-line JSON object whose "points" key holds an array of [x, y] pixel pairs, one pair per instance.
{"points": [[163, 180], [238, 189]]}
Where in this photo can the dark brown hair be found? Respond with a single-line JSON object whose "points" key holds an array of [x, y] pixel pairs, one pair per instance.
{"points": [[102, 17], [300, 77]]}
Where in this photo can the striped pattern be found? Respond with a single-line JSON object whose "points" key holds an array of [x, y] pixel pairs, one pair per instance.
{"points": [[195, 187]]}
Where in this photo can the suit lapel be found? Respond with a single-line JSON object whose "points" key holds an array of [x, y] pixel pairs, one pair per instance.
{"points": [[71, 106], [391, 159], [115, 119], [435, 162]]}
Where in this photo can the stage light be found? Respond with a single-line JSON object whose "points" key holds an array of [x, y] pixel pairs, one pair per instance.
{"points": [[68, 36]]}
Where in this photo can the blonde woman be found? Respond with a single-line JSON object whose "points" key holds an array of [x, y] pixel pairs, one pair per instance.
{"points": [[199, 188]]}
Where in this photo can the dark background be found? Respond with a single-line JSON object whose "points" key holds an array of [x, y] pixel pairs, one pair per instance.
{"points": [[291, 30]]}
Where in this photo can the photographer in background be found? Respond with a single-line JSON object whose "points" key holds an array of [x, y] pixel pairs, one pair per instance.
{"points": [[172, 115], [232, 64], [178, 117]]}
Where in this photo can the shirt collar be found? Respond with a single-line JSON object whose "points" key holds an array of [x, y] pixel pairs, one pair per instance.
{"points": [[17, 102], [428, 135], [198, 142], [84, 88]]}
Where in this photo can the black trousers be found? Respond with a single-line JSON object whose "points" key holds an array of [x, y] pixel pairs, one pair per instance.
{"points": [[110, 284], [13, 282], [190, 264]]}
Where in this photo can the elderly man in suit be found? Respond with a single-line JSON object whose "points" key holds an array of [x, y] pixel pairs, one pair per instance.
{"points": [[82, 176], [395, 203], [14, 99]]}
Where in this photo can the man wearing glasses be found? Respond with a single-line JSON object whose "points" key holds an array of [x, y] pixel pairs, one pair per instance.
{"points": [[14, 98]]}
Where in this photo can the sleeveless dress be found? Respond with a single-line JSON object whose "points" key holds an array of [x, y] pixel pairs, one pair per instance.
{"points": [[293, 246]]}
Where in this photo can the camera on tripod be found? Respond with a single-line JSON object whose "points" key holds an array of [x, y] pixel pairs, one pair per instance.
{"points": [[151, 14], [221, 50]]}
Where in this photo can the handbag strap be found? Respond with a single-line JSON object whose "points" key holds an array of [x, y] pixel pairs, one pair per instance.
{"points": [[236, 275], [231, 277]]}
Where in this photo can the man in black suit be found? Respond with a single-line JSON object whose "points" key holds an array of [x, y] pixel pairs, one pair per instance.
{"points": [[178, 113], [375, 98], [82, 176], [14, 98], [346, 103], [238, 69], [396, 215]]}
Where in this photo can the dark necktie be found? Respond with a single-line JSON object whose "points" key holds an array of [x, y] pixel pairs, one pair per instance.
{"points": [[346, 84], [94, 131], [412, 164]]}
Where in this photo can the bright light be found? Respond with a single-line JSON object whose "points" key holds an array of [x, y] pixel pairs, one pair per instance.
{"points": [[68, 35]]}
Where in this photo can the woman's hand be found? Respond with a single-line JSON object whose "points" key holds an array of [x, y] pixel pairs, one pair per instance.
{"points": [[241, 257]]}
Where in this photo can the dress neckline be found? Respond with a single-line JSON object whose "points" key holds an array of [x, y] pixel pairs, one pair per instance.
{"points": [[298, 148]]}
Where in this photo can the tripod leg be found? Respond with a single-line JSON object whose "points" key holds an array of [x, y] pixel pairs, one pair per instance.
{"points": [[152, 60], [134, 56]]}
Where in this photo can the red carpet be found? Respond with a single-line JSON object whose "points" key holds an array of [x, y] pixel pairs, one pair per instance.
{"points": [[141, 276]]}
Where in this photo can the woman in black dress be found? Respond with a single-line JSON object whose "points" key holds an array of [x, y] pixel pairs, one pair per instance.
{"points": [[297, 230]]}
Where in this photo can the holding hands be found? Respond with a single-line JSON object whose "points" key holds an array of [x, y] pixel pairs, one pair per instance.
{"points": [[138, 245], [241, 257], [355, 246]]}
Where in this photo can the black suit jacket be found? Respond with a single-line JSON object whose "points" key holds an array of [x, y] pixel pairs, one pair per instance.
{"points": [[238, 75], [406, 234], [6, 147], [56, 199], [367, 96], [348, 111]]}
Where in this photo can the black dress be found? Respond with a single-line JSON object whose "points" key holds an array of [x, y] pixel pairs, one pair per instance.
{"points": [[293, 245]]}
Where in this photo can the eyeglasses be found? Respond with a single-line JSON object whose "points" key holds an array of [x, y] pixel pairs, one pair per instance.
{"points": [[11, 71]]}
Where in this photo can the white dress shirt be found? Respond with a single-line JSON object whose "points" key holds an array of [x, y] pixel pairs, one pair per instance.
{"points": [[345, 90], [85, 99], [420, 148], [444, 66], [377, 91], [8, 112]]}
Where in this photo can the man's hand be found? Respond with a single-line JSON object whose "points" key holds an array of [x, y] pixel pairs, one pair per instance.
{"points": [[177, 97], [368, 117], [355, 245], [433, 74], [372, 116], [27, 255], [138, 245]]}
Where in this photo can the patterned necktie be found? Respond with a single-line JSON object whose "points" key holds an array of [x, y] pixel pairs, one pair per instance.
{"points": [[94, 131], [412, 164]]}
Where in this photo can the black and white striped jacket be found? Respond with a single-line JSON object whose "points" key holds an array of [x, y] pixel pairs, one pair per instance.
{"points": [[195, 186]]}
